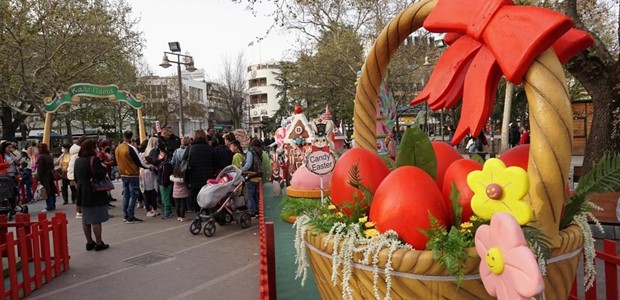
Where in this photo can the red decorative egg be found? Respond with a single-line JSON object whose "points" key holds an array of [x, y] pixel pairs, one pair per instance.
{"points": [[372, 170], [457, 173], [403, 202], [517, 156], [446, 155], [298, 110]]}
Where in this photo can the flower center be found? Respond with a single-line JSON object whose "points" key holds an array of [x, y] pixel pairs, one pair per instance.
{"points": [[494, 191], [495, 260]]}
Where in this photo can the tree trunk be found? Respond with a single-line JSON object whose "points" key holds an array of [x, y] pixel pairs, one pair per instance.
{"points": [[69, 132], [598, 70], [10, 123], [603, 85]]}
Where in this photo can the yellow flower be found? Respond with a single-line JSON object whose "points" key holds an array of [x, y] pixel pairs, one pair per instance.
{"points": [[371, 232], [324, 215], [363, 219], [473, 218], [463, 230], [369, 224], [331, 207], [500, 189], [466, 225], [340, 214]]}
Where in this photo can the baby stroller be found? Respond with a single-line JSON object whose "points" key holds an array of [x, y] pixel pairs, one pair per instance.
{"points": [[8, 204], [221, 201]]}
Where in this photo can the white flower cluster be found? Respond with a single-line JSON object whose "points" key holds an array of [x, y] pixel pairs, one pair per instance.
{"points": [[589, 267], [301, 225], [347, 240]]}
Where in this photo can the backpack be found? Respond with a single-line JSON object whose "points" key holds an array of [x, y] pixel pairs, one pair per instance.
{"points": [[257, 164]]}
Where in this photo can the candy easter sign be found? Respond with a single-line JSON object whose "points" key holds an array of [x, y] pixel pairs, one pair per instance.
{"points": [[320, 162]]}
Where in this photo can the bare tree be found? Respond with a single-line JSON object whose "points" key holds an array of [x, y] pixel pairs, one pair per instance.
{"points": [[233, 81]]}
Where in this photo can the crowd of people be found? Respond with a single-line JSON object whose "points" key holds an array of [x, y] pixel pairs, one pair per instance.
{"points": [[157, 175]]}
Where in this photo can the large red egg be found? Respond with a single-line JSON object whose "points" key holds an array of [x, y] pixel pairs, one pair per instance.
{"points": [[457, 173], [446, 155], [517, 156], [403, 202], [372, 170]]}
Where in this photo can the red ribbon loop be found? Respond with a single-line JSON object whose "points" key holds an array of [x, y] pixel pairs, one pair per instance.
{"points": [[516, 35]]}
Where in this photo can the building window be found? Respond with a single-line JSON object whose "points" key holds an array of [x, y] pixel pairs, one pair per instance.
{"points": [[256, 119], [195, 93], [258, 98], [159, 91], [258, 82]]}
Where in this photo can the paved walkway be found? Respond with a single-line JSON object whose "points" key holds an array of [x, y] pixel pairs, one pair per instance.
{"points": [[157, 259]]}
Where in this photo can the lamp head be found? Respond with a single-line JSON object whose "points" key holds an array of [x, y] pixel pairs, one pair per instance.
{"points": [[165, 63], [190, 65], [174, 46]]}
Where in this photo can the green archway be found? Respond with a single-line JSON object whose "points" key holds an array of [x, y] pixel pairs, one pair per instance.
{"points": [[73, 94]]}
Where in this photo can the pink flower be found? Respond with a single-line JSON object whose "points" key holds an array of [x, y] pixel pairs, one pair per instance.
{"points": [[508, 267]]}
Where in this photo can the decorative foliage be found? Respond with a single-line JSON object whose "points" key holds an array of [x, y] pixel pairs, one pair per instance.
{"points": [[500, 189], [298, 206], [416, 150], [450, 248], [455, 199], [539, 244], [506, 256], [604, 177]]}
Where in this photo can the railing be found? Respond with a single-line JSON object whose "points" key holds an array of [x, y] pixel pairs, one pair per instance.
{"points": [[611, 262], [267, 253], [41, 245]]}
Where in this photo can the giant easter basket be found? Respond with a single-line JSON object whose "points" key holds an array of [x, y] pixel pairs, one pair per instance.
{"points": [[416, 275]]}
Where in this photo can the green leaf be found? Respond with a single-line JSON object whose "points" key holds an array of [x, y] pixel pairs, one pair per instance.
{"points": [[455, 199], [478, 158], [604, 177], [419, 118], [416, 150]]}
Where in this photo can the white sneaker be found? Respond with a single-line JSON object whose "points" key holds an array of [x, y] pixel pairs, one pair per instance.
{"points": [[78, 215], [150, 214]]}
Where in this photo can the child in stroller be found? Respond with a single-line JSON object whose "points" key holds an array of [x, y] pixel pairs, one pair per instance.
{"points": [[221, 201], [8, 194]]}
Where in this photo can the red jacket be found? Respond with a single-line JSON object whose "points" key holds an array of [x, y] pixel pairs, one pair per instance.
{"points": [[3, 165]]}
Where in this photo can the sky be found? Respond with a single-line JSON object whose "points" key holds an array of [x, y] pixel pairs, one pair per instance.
{"points": [[209, 30]]}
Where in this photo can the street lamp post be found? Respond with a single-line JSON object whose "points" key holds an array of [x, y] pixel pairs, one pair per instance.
{"points": [[189, 66]]}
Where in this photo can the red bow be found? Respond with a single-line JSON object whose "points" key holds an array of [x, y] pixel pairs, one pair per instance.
{"points": [[487, 38], [324, 148]]}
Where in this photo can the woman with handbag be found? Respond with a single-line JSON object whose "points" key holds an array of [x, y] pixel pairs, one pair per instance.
{"points": [[63, 161], [93, 200], [45, 166]]}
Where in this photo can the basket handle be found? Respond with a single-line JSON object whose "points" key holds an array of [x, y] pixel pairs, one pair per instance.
{"points": [[551, 123]]}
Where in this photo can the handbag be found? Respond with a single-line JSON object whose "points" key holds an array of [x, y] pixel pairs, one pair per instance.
{"points": [[57, 174], [99, 185], [184, 166]]}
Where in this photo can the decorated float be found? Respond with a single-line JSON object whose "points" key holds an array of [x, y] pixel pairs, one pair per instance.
{"points": [[483, 231], [310, 157]]}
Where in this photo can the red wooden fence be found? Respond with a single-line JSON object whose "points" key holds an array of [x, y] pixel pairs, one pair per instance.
{"points": [[267, 253], [611, 262], [41, 245]]}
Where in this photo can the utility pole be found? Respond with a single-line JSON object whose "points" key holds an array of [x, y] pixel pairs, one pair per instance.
{"points": [[506, 118]]}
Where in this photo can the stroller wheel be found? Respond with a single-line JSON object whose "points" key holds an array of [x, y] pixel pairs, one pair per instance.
{"points": [[245, 220], [209, 229], [194, 228]]}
